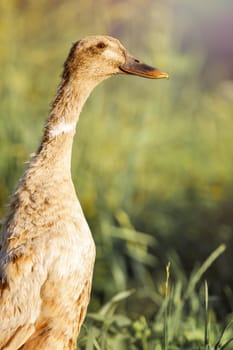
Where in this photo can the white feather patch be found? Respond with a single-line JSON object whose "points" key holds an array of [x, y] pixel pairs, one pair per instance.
{"points": [[62, 128], [112, 55]]}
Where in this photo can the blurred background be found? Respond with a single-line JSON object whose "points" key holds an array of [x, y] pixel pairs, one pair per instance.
{"points": [[152, 160]]}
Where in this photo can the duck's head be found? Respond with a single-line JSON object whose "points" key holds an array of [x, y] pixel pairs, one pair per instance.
{"points": [[96, 58]]}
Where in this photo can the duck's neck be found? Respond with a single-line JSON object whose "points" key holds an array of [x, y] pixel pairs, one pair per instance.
{"points": [[55, 150]]}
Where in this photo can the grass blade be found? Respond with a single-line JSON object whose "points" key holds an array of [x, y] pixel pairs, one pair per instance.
{"points": [[166, 306], [217, 345], [206, 336], [197, 276], [226, 344]]}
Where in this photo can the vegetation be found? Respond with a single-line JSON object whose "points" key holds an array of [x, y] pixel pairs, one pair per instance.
{"points": [[152, 164], [183, 320]]}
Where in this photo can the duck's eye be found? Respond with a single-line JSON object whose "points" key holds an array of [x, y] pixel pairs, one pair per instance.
{"points": [[101, 45]]}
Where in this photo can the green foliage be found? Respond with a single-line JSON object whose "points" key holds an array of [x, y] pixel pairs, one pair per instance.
{"points": [[183, 320]]}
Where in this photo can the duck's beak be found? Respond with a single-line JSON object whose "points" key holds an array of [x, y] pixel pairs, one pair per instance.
{"points": [[135, 67]]}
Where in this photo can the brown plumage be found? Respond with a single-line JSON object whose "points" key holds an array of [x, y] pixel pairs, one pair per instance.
{"points": [[47, 254]]}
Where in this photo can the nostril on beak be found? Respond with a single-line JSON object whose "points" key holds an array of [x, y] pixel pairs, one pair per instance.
{"points": [[137, 61]]}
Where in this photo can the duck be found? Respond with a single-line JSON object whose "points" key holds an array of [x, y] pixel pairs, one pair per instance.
{"points": [[47, 249]]}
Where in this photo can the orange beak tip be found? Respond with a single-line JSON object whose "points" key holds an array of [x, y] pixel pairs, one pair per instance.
{"points": [[162, 75]]}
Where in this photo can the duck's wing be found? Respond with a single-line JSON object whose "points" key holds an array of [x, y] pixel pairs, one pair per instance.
{"points": [[20, 285]]}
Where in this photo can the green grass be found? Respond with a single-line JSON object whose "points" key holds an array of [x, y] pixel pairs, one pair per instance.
{"points": [[183, 320]]}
